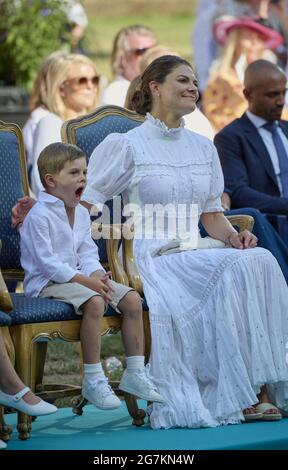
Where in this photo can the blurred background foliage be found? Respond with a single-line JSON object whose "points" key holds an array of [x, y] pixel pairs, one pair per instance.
{"points": [[31, 29]]}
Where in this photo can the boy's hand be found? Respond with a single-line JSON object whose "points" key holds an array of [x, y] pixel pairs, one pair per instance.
{"points": [[104, 279], [20, 210], [98, 285]]}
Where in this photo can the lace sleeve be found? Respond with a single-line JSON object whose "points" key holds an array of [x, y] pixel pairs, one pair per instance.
{"points": [[213, 203], [110, 169]]}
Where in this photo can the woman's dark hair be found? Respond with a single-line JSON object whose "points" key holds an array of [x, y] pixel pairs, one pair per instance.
{"points": [[157, 71]]}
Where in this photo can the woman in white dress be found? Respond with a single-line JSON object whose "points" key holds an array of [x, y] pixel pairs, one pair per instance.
{"points": [[219, 318]]}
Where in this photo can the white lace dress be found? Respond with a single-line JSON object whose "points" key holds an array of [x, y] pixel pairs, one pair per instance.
{"points": [[219, 317]]}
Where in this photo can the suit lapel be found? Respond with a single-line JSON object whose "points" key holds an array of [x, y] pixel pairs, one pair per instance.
{"points": [[284, 127], [257, 143]]}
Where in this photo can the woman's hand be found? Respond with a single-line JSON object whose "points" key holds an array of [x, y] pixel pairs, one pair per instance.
{"points": [[20, 210], [243, 240]]}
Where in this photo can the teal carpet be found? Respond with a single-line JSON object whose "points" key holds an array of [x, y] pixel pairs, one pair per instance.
{"points": [[112, 430]]}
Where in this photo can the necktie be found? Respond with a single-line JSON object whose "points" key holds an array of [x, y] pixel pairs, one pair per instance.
{"points": [[282, 155]]}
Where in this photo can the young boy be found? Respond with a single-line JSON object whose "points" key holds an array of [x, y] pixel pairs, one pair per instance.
{"points": [[61, 261]]}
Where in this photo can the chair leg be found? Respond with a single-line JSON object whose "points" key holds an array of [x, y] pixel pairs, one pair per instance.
{"points": [[40, 362], [25, 365], [24, 426], [78, 405], [136, 413], [5, 430]]}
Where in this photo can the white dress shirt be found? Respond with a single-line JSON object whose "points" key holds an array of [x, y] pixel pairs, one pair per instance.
{"points": [[53, 251], [269, 144]]}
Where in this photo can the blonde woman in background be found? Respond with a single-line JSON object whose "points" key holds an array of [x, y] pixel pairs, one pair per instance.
{"points": [[72, 90], [195, 121], [38, 104], [244, 41]]}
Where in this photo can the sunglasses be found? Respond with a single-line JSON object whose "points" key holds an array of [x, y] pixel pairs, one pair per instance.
{"points": [[139, 51], [82, 82]]}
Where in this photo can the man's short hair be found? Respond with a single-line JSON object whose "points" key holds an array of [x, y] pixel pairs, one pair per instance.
{"points": [[52, 159]]}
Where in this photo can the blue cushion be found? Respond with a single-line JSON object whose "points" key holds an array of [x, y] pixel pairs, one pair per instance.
{"points": [[10, 190], [88, 137], [37, 310], [5, 320]]}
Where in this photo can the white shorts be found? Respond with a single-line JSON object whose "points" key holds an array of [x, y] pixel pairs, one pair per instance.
{"points": [[76, 294]]}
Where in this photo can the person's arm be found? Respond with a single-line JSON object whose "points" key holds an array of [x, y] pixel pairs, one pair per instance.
{"points": [[95, 282], [36, 246], [87, 251], [218, 227], [20, 210], [237, 179], [226, 201], [110, 170]]}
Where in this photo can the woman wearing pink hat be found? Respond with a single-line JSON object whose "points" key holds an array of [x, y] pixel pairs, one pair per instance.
{"points": [[244, 40]]}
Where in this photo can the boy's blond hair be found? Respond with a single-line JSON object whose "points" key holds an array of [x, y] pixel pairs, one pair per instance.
{"points": [[52, 159]]}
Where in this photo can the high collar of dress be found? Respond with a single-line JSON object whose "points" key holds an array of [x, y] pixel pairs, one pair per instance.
{"points": [[163, 129]]}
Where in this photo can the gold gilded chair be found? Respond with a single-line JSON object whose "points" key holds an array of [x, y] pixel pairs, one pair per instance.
{"points": [[35, 321]]}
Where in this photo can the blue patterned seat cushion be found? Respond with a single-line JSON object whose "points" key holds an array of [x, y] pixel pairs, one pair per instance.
{"points": [[5, 320], [37, 310], [10, 191]]}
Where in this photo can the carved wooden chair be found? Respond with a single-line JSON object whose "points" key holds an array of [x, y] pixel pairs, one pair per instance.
{"points": [[35, 321]]}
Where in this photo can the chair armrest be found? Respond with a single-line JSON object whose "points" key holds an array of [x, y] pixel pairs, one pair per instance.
{"points": [[6, 303], [243, 222], [112, 235]]}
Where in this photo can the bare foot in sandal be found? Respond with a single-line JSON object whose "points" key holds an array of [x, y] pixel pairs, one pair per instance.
{"points": [[250, 414]]}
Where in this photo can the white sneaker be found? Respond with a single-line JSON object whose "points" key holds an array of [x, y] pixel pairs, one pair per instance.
{"points": [[3, 445], [137, 383], [101, 395], [16, 401]]}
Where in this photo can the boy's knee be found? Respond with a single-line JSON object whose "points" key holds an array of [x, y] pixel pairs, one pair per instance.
{"points": [[95, 307], [132, 302]]}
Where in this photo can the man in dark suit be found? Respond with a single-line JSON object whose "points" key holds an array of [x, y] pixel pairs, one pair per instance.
{"points": [[254, 148]]}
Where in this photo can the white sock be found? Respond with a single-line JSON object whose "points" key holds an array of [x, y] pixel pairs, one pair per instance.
{"points": [[93, 372], [134, 363]]}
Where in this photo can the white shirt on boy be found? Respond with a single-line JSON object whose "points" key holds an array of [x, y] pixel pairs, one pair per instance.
{"points": [[53, 251]]}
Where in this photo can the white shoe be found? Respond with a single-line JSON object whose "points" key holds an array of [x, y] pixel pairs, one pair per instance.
{"points": [[137, 383], [3, 445], [17, 402], [100, 394]]}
